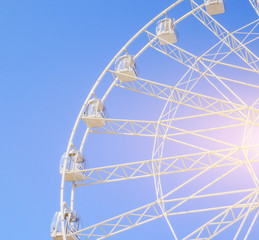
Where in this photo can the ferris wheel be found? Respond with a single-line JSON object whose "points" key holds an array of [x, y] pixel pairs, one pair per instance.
{"points": [[199, 109]]}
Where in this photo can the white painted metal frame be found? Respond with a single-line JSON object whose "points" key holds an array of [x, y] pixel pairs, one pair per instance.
{"points": [[182, 94]]}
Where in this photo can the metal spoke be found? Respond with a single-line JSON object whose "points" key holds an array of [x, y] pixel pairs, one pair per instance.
{"points": [[170, 165], [193, 100], [234, 213], [122, 222]]}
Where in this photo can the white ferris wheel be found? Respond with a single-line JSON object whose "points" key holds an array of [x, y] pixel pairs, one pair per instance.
{"points": [[199, 112]]}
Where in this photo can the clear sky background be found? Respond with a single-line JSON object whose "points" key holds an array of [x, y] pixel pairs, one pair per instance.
{"points": [[51, 53]]}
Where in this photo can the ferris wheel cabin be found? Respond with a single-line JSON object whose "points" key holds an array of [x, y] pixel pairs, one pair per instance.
{"points": [[94, 115], [165, 30], [75, 164], [71, 226], [126, 68], [214, 7]]}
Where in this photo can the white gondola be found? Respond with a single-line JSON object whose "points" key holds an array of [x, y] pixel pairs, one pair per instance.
{"points": [[75, 164], [125, 68], [165, 30], [214, 7], [94, 115], [71, 226]]}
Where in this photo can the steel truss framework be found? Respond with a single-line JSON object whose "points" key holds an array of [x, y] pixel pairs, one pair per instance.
{"points": [[218, 154]]}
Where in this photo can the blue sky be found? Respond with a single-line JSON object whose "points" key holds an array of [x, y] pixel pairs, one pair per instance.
{"points": [[52, 52]]}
